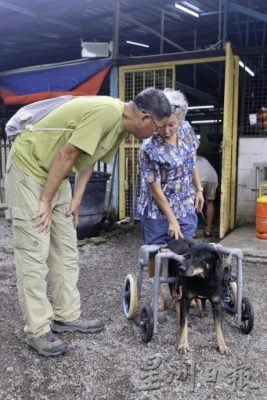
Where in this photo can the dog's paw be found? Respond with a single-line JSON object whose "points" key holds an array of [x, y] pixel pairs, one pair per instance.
{"points": [[224, 350], [183, 348]]}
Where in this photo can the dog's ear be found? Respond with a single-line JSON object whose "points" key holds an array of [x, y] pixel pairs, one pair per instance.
{"points": [[180, 246], [200, 248], [190, 243]]}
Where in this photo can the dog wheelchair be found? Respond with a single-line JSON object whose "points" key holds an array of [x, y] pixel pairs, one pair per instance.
{"points": [[233, 301]]}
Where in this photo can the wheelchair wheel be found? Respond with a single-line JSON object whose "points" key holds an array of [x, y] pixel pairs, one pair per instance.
{"points": [[146, 324], [229, 297], [247, 316], [129, 296]]}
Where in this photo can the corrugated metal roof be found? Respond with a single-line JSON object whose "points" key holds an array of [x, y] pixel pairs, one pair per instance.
{"points": [[34, 32]]}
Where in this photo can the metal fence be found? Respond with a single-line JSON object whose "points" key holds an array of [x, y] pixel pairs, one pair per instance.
{"points": [[133, 79], [253, 96]]}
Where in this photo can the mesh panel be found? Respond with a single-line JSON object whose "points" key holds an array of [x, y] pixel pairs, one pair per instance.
{"points": [[253, 97], [134, 82]]}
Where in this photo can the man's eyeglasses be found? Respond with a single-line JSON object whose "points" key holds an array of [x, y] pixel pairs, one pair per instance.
{"points": [[158, 127]]}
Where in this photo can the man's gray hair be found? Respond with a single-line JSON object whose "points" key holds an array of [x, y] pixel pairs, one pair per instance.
{"points": [[154, 102], [178, 102]]}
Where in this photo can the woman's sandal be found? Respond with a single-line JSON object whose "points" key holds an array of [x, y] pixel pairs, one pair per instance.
{"points": [[207, 234]]}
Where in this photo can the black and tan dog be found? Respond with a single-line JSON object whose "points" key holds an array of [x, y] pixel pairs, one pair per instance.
{"points": [[181, 247], [199, 276]]}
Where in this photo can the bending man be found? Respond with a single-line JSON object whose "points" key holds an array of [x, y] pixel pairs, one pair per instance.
{"points": [[72, 137]]}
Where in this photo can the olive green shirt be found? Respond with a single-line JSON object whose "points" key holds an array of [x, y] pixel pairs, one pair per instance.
{"points": [[93, 124]]}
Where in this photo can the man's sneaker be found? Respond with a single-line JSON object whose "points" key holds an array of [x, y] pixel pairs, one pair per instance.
{"points": [[78, 325], [47, 345]]}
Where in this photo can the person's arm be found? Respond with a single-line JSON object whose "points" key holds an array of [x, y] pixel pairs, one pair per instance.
{"points": [[199, 199], [81, 181], [162, 202], [60, 168]]}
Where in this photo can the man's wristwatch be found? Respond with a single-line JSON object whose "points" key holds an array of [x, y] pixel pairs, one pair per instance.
{"points": [[199, 189]]}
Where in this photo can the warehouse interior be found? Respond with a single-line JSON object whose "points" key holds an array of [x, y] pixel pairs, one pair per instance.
{"points": [[38, 36]]}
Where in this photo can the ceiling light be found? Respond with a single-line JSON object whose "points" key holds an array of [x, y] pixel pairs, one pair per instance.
{"points": [[206, 121], [200, 107], [186, 10], [247, 69], [190, 5], [94, 49], [137, 43]]}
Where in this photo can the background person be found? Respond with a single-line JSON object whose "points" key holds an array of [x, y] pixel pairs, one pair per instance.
{"points": [[187, 134], [44, 214], [168, 199], [209, 182]]}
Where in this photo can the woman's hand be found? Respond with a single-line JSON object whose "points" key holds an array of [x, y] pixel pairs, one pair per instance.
{"points": [[174, 230], [42, 219], [199, 201], [74, 211]]}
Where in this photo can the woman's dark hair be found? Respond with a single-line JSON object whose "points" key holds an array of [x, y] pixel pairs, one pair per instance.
{"points": [[154, 102]]}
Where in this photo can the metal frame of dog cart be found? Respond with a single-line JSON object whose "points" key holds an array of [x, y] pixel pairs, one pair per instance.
{"points": [[162, 276]]}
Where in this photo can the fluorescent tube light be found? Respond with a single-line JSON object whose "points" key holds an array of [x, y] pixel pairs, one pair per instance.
{"points": [[186, 10], [137, 43], [190, 5], [206, 121], [200, 107], [247, 69]]}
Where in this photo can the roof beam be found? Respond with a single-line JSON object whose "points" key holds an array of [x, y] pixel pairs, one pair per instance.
{"points": [[116, 28], [171, 14], [63, 24], [20, 10], [247, 11], [33, 14], [133, 20]]}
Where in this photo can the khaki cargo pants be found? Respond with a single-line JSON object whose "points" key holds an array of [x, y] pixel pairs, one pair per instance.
{"points": [[39, 255]]}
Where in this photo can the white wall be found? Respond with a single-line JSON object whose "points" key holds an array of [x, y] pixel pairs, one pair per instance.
{"points": [[251, 150]]}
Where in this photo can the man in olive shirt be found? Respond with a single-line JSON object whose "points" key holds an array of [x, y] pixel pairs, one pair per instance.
{"points": [[72, 137]]}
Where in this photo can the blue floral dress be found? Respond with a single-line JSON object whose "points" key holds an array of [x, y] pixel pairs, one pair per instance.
{"points": [[172, 166]]}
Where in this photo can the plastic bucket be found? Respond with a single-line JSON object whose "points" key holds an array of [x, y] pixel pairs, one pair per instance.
{"points": [[92, 207], [261, 217]]}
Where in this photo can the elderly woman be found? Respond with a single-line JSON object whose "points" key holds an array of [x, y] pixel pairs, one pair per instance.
{"points": [[170, 192]]}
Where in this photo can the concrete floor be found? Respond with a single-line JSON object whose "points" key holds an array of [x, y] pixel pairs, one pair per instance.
{"points": [[244, 238]]}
